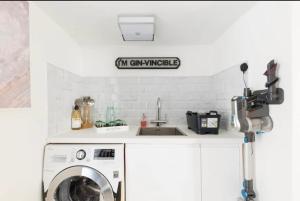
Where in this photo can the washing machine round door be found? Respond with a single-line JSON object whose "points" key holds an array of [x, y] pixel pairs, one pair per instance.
{"points": [[79, 183]]}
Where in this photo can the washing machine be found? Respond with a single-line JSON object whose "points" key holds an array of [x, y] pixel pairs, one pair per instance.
{"points": [[83, 172]]}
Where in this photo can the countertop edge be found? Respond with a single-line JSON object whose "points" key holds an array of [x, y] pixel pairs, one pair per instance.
{"points": [[90, 136]]}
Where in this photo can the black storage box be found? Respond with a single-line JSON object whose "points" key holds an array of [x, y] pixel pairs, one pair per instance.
{"points": [[206, 123]]}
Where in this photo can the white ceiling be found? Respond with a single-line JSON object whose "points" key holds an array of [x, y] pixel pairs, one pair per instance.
{"points": [[177, 23]]}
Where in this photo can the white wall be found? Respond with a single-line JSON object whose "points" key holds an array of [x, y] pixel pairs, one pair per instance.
{"points": [[262, 34], [296, 98], [100, 61], [23, 131]]}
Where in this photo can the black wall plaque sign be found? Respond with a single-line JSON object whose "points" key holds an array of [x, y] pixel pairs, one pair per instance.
{"points": [[147, 62]]}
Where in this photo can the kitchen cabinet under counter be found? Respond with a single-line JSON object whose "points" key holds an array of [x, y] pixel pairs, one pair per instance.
{"points": [[203, 172], [221, 172], [163, 172]]}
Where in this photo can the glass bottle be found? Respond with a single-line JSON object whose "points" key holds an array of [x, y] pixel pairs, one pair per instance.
{"points": [[76, 118]]}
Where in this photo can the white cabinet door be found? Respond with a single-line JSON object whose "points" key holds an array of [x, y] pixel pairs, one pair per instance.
{"points": [[163, 172], [221, 172]]}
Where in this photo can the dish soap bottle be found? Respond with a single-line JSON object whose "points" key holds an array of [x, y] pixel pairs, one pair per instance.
{"points": [[76, 118], [144, 121]]}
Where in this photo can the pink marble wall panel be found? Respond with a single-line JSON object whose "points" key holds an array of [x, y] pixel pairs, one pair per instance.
{"points": [[14, 54]]}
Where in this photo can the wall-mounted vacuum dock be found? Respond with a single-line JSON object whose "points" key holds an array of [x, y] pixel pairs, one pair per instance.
{"points": [[250, 114]]}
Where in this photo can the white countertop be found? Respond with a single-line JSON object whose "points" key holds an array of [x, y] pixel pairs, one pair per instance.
{"points": [[130, 137]]}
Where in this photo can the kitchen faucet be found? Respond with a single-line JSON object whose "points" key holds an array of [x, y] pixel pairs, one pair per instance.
{"points": [[158, 120]]}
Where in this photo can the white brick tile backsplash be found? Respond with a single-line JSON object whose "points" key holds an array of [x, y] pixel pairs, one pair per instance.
{"points": [[225, 85], [133, 96]]}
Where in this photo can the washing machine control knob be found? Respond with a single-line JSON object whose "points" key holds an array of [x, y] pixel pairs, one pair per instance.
{"points": [[80, 155]]}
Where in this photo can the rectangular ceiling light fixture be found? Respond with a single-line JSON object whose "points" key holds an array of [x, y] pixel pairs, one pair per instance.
{"points": [[137, 28]]}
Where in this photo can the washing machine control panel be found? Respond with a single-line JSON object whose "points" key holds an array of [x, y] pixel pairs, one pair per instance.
{"points": [[81, 154], [104, 154]]}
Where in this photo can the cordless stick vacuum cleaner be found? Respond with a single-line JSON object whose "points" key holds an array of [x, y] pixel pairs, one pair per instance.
{"points": [[250, 115]]}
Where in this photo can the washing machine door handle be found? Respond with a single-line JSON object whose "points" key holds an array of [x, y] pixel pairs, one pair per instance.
{"points": [[83, 171]]}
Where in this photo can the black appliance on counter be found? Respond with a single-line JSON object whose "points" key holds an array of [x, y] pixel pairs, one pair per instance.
{"points": [[204, 123]]}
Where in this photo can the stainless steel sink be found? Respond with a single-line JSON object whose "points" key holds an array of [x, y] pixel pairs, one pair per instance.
{"points": [[160, 131]]}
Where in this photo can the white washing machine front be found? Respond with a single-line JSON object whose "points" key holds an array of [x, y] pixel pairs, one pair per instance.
{"points": [[84, 172]]}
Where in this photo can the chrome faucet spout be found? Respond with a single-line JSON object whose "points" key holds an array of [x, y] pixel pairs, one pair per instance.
{"points": [[158, 109], [158, 120], [158, 102]]}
